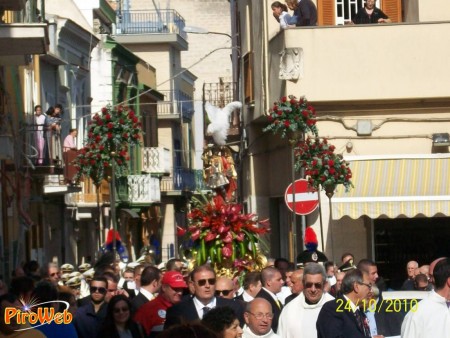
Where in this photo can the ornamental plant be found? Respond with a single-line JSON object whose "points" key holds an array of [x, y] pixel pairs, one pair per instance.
{"points": [[290, 114], [110, 135], [220, 233], [322, 166]]}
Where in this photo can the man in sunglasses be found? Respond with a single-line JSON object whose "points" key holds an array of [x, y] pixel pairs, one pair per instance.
{"points": [[89, 318], [345, 315], [225, 288], [152, 315], [300, 315], [203, 280]]}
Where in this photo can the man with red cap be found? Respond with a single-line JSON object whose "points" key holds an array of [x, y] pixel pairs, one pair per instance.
{"points": [[152, 315]]}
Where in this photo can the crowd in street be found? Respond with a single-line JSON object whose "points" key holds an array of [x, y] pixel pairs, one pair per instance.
{"points": [[139, 300]]}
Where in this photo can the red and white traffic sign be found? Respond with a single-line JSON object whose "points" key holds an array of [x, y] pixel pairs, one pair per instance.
{"points": [[305, 201]]}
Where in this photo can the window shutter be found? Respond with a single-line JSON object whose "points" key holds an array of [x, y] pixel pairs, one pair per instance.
{"points": [[393, 9], [326, 12], [248, 78]]}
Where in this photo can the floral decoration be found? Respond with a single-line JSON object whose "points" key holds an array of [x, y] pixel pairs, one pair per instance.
{"points": [[322, 166], [290, 114], [220, 233], [110, 135]]}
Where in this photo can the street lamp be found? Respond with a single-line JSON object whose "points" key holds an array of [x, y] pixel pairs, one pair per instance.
{"points": [[200, 30]]}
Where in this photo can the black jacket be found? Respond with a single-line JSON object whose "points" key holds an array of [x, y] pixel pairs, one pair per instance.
{"points": [[185, 311], [336, 320], [275, 309]]}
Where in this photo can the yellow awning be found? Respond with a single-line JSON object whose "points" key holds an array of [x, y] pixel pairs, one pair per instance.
{"points": [[394, 187]]}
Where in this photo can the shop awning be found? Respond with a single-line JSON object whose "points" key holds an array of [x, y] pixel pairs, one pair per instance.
{"points": [[395, 187]]}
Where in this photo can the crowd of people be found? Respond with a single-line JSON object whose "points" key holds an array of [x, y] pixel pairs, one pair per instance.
{"points": [[304, 13], [140, 300]]}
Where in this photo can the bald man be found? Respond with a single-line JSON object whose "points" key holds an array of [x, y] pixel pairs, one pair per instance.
{"points": [[296, 285], [225, 287], [258, 318]]}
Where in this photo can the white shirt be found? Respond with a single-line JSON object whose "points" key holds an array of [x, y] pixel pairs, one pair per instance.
{"points": [[298, 318], [274, 296], [284, 293], [199, 306], [431, 319], [246, 297], [249, 334], [147, 294]]}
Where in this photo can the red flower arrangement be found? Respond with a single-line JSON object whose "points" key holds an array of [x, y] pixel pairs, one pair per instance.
{"points": [[110, 134], [222, 234], [322, 166], [291, 115]]}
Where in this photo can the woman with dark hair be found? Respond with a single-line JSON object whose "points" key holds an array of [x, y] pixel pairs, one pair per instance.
{"points": [[188, 330], [280, 13], [118, 322], [224, 321]]}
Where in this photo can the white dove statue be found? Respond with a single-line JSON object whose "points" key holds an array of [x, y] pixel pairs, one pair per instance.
{"points": [[220, 121]]}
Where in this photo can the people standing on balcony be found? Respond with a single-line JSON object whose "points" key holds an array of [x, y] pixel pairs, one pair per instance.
{"points": [[39, 120], [54, 134], [305, 11], [370, 14], [280, 13]]}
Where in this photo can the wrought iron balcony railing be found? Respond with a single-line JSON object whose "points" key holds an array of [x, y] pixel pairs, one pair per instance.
{"points": [[184, 179], [139, 189], [145, 22], [176, 102], [155, 160]]}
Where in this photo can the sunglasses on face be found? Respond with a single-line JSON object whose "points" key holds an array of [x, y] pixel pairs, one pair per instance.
{"points": [[309, 285], [95, 289], [54, 274], [202, 282], [121, 309], [223, 292]]}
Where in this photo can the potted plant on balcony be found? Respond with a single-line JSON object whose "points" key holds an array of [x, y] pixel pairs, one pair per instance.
{"points": [[322, 166], [110, 135], [293, 117], [220, 233]]}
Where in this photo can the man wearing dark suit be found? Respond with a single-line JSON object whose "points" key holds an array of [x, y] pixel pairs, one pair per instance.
{"points": [[271, 284], [343, 316], [251, 285], [306, 13], [150, 284], [203, 279]]}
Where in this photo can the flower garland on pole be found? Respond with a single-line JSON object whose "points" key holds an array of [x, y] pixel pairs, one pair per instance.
{"points": [[290, 115], [110, 135], [322, 166], [219, 233]]}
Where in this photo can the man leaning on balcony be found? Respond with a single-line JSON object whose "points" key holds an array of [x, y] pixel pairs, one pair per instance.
{"points": [[370, 14], [305, 11]]}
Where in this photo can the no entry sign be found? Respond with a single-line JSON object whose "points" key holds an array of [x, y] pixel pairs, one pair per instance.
{"points": [[304, 202]]}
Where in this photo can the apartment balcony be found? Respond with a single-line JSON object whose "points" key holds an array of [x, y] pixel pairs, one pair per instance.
{"points": [[155, 160], [370, 63], [183, 180], [175, 103], [138, 190], [21, 32], [151, 26]]}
